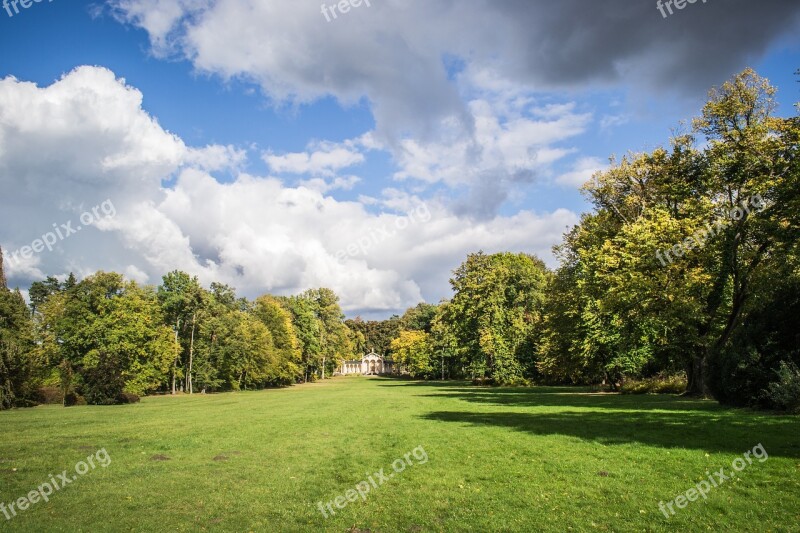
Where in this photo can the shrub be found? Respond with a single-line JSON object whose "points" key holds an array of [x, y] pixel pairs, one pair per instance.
{"points": [[784, 394], [50, 395], [741, 372], [127, 397], [103, 383], [71, 399], [517, 382], [675, 384]]}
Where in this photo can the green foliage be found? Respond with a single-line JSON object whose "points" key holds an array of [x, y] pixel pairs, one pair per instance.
{"points": [[675, 269], [378, 335], [334, 337], [414, 350], [278, 321], [675, 384], [17, 364], [419, 318], [106, 336], [497, 305], [308, 330], [40, 291], [784, 394]]}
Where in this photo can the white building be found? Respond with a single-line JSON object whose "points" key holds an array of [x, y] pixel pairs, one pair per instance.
{"points": [[370, 364]]}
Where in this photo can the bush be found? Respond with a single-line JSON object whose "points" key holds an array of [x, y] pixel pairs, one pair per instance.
{"points": [[103, 383], [127, 397], [745, 367], [50, 395], [660, 384], [72, 399], [784, 394], [517, 382]]}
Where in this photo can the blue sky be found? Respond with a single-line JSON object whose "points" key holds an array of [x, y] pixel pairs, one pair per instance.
{"points": [[251, 141]]}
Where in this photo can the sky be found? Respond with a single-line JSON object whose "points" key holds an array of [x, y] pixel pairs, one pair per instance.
{"points": [[367, 146]]}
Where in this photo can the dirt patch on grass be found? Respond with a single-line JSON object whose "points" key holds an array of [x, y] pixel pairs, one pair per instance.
{"points": [[160, 457], [221, 458]]}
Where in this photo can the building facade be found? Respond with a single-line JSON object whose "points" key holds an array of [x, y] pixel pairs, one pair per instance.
{"points": [[371, 364]]}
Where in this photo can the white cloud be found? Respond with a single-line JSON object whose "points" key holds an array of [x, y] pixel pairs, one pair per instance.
{"points": [[253, 232], [413, 61], [322, 159], [582, 171], [216, 157]]}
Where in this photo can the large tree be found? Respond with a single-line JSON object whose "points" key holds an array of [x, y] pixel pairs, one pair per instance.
{"points": [[106, 335], [182, 300], [662, 273], [17, 364], [497, 303], [278, 321]]}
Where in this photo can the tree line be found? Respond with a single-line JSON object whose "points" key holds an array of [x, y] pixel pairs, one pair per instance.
{"points": [[721, 204], [105, 339], [687, 269]]}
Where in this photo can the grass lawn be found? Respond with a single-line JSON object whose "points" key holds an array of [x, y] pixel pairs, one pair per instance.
{"points": [[542, 459]]}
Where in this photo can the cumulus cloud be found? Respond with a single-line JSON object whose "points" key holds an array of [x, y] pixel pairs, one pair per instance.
{"points": [[86, 138], [582, 171], [453, 86], [321, 159], [401, 54]]}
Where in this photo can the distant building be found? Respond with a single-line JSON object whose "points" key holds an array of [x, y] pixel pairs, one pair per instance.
{"points": [[370, 365]]}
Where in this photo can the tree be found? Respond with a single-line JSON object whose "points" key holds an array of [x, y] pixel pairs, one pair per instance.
{"points": [[307, 330], [419, 318], [662, 274], [334, 338], [17, 366], [278, 321], [182, 298], [498, 301], [40, 291], [414, 350], [358, 334], [106, 336]]}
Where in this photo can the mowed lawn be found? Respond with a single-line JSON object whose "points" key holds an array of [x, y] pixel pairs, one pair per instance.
{"points": [[541, 459]]}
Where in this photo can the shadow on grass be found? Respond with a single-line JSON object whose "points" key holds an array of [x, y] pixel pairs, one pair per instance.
{"points": [[572, 397], [555, 397], [667, 430]]}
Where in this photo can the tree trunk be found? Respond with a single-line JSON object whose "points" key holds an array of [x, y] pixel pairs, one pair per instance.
{"points": [[696, 373], [175, 363], [191, 356]]}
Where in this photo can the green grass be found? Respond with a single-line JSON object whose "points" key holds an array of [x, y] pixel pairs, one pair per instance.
{"points": [[543, 459]]}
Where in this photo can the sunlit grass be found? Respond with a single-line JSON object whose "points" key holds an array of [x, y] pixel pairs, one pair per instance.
{"points": [[544, 459]]}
